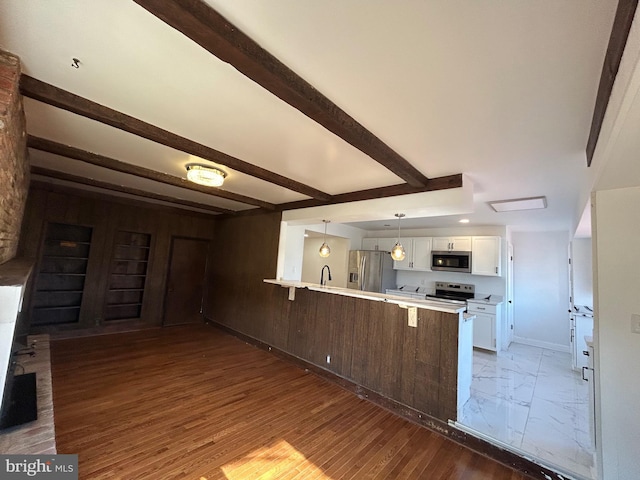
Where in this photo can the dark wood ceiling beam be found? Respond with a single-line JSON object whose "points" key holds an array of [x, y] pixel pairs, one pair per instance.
{"points": [[112, 164], [60, 98], [617, 43], [202, 24], [439, 183], [45, 172]]}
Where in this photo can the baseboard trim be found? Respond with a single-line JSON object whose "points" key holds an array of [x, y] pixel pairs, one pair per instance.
{"points": [[478, 445], [538, 343]]}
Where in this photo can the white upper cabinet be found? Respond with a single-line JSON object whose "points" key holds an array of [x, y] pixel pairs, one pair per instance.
{"points": [[443, 244], [422, 253], [369, 244], [485, 256], [418, 254], [386, 244], [382, 244]]}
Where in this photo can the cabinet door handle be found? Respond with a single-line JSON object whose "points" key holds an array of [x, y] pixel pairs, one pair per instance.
{"points": [[585, 352], [480, 308], [571, 335], [496, 270], [583, 369]]}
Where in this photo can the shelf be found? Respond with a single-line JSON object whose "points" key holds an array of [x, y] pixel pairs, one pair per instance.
{"points": [[72, 307], [128, 275], [59, 291], [62, 274]]}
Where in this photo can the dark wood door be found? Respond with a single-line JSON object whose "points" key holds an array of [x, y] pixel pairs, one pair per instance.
{"points": [[185, 283]]}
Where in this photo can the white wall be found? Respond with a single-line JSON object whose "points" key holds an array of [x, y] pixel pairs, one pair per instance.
{"points": [[582, 271], [337, 261], [541, 289], [291, 245], [616, 239]]}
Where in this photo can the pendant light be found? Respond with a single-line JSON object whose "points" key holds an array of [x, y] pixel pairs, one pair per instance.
{"points": [[397, 252], [325, 251]]}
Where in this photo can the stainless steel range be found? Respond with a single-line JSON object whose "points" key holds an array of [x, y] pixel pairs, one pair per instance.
{"points": [[457, 293]]}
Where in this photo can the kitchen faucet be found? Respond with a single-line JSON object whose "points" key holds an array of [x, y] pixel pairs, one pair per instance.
{"points": [[322, 280]]}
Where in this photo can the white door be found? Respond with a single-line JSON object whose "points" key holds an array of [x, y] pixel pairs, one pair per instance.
{"points": [[509, 306]]}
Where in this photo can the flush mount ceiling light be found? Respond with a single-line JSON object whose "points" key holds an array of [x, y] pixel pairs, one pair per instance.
{"points": [[325, 251], [397, 252], [207, 176], [516, 204]]}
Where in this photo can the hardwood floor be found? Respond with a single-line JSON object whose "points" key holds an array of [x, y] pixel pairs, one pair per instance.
{"points": [[193, 402]]}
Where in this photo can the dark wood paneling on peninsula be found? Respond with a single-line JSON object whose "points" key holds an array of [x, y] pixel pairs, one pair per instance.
{"points": [[368, 342], [106, 216]]}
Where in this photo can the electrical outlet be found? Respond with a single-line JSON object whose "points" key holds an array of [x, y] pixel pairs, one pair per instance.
{"points": [[413, 316], [328, 358], [635, 323]]}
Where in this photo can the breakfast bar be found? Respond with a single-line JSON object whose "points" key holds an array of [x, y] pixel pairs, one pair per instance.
{"points": [[415, 352]]}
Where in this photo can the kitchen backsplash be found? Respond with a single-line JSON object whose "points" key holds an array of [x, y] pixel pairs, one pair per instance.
{"points": [[488, 285]]}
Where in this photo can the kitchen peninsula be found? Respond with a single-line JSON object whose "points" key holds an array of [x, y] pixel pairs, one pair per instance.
{"points": [[417, 353]]}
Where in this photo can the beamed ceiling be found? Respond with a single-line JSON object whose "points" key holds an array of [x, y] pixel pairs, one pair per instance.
{"points": [[308, 103]]}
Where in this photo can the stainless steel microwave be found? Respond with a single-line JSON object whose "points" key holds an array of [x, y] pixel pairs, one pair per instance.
{"points": [[451, 261]]}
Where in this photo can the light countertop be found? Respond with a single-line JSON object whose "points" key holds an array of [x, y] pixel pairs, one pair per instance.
{"points": [[380, 297]]}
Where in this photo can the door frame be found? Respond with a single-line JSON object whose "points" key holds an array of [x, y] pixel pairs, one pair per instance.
{"points": [[166, 286]]}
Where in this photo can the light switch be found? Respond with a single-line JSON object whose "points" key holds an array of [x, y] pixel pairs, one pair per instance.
{"points": [[413, 316], [635, 323]]}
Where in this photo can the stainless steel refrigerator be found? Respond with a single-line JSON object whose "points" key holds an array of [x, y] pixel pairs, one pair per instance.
{"points": [[371, 270]]}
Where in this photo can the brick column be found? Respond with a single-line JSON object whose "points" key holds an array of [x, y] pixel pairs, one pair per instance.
{"points": [[14, 161]]}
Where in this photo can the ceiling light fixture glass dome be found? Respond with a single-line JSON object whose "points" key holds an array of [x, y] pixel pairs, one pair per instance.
{"points": [[207, 176], [397, 252]]}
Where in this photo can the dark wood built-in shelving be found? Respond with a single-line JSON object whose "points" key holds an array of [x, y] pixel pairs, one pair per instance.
{"points": [[61, 274], [128, 276]]}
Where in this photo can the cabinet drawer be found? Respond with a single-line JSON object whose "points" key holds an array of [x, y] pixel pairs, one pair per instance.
{"points": [[481, 308]]}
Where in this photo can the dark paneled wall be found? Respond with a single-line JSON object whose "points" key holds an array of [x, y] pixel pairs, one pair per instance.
{"points": [[245, 251], [106, 215], [368, 342]]}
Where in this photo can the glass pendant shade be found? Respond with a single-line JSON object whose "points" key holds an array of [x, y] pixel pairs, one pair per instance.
{"points": [[324, 251], [397, 252]]}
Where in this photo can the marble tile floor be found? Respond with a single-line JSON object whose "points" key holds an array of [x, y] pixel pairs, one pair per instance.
{"points": [[530, 399]]}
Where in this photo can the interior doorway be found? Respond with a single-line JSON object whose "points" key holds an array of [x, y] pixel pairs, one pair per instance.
{"points": [[185, 282]]}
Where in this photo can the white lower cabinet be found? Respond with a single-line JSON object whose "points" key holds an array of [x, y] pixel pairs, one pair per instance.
{"points": [[486, 325]]}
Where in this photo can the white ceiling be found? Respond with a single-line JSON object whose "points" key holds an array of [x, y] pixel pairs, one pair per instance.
{"points": [[500, 91]]}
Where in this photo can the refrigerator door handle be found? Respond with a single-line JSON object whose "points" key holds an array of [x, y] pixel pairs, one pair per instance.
{"points": [[363, 266]]}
